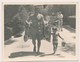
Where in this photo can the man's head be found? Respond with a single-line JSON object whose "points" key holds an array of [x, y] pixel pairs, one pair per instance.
{"points": [[36, 10], [21, 8]]}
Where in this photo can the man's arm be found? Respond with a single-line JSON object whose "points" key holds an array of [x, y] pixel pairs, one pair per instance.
{"points": [[29, 19], [42, 20]]}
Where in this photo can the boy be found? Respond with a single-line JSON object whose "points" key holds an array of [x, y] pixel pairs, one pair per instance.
{"points": [[55, 38]]}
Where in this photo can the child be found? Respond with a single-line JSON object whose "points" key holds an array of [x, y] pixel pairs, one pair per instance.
{"points": [[55, 38]]}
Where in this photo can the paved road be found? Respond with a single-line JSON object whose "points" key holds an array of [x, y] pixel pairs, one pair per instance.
{"points": [[22, 51]]}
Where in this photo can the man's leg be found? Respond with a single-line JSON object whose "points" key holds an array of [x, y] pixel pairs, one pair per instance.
{"points": [[34, 43], [38, 44]]}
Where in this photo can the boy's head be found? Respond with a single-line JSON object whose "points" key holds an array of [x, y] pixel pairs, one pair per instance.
{"points": [[54, 29]]}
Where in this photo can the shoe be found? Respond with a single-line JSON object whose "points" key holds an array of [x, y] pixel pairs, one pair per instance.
{"points": [[38, 53], [61, 30]]}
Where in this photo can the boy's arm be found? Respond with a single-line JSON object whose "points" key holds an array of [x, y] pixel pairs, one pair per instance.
{"points": [[60, 36]]}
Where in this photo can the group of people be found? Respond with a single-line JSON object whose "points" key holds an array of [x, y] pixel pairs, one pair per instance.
{"points": [[37, 28]]}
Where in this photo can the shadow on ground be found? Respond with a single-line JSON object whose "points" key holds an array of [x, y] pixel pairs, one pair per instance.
{"points": [[46, 55], [52, 54], [23, 53], [69, 48], [8, 42]]}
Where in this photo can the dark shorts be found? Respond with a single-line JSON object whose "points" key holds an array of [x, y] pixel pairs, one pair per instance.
{"points": [[55, 42], [37, 36]]}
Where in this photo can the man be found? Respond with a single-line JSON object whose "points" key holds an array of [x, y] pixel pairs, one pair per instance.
{"points": [[36, 24]]}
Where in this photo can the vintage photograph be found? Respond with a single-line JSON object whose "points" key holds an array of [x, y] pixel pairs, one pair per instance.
{"points": [[39, 32]]}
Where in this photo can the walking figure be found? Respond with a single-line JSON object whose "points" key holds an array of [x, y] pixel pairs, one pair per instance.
{"points": [[36, 29], [55, 35]]}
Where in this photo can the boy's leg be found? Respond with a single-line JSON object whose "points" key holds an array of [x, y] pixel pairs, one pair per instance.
{"points": [[38, 44], [55, 47]]}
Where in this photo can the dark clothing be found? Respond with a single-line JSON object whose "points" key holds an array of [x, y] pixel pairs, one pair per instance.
{"points": [[55, 37], [36, 27], [36, 30], [47, 34]]}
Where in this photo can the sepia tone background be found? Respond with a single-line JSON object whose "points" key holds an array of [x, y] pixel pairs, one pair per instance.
{"points": [[23, 51]]}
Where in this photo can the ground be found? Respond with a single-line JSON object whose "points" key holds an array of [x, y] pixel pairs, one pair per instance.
{"points": [[18, 50]]}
